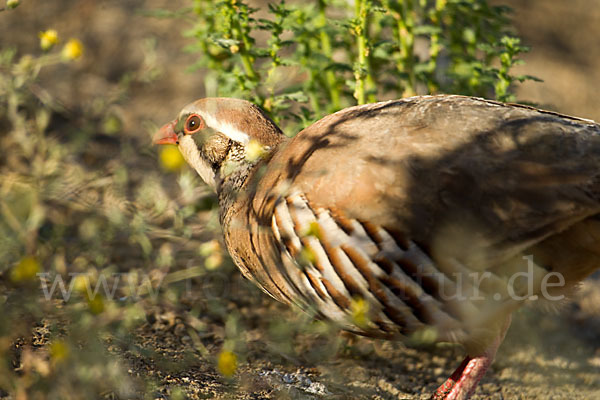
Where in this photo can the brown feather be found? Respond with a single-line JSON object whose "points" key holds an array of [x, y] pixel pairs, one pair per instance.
{"points": [[460, 185]]}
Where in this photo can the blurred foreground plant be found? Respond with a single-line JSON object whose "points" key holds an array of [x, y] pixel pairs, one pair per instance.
{"points": [[90, 242]]}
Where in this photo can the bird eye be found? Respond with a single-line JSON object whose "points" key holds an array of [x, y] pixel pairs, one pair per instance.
{"points": [[193, 124]]}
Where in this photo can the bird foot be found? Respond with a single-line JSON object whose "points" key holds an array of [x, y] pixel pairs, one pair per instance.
{"points": [[464, 380]]}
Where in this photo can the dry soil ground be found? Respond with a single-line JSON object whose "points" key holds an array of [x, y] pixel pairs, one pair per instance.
{"points": [[546, 355]]}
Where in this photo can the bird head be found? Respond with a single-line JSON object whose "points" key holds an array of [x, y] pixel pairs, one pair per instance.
{"points": [[221, 136]]}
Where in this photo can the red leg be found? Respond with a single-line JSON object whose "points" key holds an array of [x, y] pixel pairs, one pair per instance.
{"points": [[464, 380], [447, 386]]}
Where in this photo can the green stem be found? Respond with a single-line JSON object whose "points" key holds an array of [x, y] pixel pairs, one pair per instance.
{"points": [[236, 12], [435, 45], [332, 86], [434, 51], [247, 58], [248, 63], [312, 93], [406, 39], [361, 73]]}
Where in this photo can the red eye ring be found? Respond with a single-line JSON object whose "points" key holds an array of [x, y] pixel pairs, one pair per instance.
{"points": [[193, 124]]}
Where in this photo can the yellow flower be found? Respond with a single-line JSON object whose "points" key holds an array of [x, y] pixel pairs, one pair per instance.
{"points": [[48, 39], [59, 351], [213, 261], [73, 50], [12, 4], [424, 336], [227, 363], [25, 270], [209, 248], [359, 310], [307, 257], [95, 304], [268, 104], [81, 283], [212, 251], [254, 150], [171, 159], [313, 230]]}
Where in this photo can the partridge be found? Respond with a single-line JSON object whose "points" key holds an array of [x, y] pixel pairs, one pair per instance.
{"points": [[437, 213]]}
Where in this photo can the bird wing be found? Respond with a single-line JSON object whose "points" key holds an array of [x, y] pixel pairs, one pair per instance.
{"points": [[409, 194], [512, 174]]}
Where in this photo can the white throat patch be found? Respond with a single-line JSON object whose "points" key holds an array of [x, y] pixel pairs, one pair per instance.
{"points": [[226, 129], [191, 154]]}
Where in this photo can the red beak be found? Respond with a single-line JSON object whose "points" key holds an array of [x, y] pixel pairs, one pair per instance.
{"points": [[166, 134]]}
